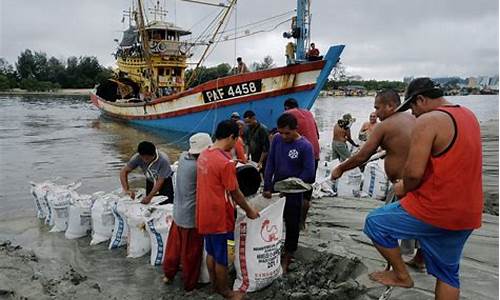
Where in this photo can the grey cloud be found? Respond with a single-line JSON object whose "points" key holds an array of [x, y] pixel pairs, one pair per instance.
{"points": [[385, 39]]}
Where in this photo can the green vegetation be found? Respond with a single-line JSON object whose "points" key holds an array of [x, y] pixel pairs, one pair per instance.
{"points": [[370, 85], [34, 71]]}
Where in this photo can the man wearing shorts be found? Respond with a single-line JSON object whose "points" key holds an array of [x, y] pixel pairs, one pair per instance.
{"points": [[441, 191], [217, 188]]}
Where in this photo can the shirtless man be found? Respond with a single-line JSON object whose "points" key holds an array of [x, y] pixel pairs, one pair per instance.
{"points": [[392, 134], [367, 127], [441, 188], [341, 134]]}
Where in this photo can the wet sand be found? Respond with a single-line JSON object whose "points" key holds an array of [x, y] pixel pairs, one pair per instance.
{"points": [[489, 137]]}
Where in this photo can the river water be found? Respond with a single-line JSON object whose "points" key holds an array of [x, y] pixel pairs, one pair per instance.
{"points": [[45, 137]]}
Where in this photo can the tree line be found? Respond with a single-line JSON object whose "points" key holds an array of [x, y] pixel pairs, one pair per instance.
{"points": [[35, 71]]}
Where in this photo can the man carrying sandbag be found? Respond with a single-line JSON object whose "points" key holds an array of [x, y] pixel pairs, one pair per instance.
{"points": [[156, 167], [291, 155], [185, 244], [217, 188]]}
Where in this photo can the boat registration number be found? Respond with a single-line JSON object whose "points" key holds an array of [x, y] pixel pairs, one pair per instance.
{"points": [[231, 91]]}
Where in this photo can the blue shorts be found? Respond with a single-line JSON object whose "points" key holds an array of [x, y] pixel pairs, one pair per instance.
{"points": [[216, 246], [442, 248]]}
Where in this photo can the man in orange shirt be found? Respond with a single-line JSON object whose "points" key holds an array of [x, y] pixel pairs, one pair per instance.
{"points": [[441, 191], [217, 188]]}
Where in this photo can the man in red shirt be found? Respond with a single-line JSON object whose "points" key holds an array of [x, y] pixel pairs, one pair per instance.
{"points": [[217, 188], [441, 191], [313, 53], [306, 127]]}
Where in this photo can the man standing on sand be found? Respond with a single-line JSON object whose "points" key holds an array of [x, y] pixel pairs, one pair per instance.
{"points": [[291, 155], [156, 168], [441, 188], [341, 134], [393, 135], [217, 188], [367, 128], [306, 127], [185, 244]]}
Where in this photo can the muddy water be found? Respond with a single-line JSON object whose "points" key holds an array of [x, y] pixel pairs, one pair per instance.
{"points": [[47, 137]]}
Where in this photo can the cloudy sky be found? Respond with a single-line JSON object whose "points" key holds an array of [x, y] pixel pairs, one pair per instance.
{"points": [[385, 39]]}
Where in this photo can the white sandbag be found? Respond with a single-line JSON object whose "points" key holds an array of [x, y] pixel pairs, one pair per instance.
{"points": [[102, 218], [349, 184], [39, 192], [79, 217], [375, 181], [158, 225], [258, 245], [120, 230], [138, 242], [323, 186], [59, 201]]}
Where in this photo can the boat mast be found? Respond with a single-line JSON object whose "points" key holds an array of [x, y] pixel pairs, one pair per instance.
{"points": [[139, 19], [303, 26], [211, 41]]}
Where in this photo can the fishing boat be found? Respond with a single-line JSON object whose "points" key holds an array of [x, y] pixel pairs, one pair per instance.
{"points": [[150, 86]]}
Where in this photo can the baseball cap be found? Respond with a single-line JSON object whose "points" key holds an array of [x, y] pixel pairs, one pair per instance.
{"points": [[199, 142], [417, 87], [235, 115]]}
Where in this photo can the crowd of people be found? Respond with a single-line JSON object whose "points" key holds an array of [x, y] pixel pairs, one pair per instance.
{"points": [[433, 160]]}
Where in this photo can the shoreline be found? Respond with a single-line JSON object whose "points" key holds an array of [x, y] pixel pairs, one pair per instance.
{"points": [[59, 92]]}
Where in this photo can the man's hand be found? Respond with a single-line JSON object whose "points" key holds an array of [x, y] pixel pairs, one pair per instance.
{"points": [[336, 173], [399, 189], [252, 214], [147, 199], [267, 194], [130, 193]]}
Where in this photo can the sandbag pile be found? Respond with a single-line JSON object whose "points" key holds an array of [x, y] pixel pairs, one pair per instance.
{"points": [[112, 217], [372, 183]]}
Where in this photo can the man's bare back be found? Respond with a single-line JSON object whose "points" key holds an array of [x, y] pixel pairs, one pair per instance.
{"points": [[340, 134]]}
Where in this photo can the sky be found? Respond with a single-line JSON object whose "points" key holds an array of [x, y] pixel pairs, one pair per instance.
{"points": [[385, 39]]}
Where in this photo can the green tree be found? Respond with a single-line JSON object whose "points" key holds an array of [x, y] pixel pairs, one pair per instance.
{"points": [[265, 64], [8, 76]]}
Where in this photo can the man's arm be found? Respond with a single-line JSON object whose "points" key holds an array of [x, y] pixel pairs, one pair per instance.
{"points": [[348, 137], [154, 191], [239, 198], [422, 139], [367, 150], [124, 181]]}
